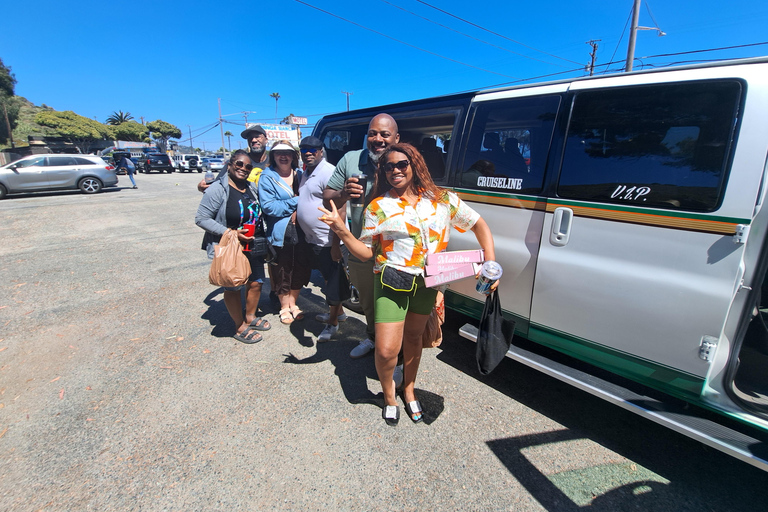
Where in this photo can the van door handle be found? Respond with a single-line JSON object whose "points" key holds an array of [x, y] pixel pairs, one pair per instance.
{"points": [[561, 226]]}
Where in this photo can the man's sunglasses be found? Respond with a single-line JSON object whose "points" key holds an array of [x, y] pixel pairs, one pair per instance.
{"points": [[239, 164], [401, 165], [309, 150]]}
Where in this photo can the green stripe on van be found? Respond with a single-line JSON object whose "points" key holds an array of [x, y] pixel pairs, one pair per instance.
{"points": [[653, 211], [664, 378], [683, 385]]}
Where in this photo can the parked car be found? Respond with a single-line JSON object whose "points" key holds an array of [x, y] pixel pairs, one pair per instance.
{"points": [[157, 162], [188, 163], [56, 172], [213, 164]]}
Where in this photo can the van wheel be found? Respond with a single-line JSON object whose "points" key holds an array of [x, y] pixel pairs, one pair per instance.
{"points": [[90, 185]]}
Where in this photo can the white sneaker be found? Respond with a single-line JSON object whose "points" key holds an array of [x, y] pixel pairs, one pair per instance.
{"points": [[362, 349], [397, 376], [328, 332], [326, 317]]}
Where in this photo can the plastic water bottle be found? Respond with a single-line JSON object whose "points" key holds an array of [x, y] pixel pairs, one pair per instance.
{"points": [[208, 177]]}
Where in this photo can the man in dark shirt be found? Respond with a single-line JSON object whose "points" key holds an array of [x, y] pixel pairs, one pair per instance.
{"points": [[257, 150]]}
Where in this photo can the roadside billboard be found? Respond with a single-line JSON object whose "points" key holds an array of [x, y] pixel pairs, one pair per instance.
{"points": [[276, 132]]}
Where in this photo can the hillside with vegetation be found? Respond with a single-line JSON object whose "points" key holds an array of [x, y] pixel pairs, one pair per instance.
{"points": [[26, 125]]}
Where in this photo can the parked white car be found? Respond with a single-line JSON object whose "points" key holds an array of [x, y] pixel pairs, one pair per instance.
{"points": [[35, 173], [188, 163]]}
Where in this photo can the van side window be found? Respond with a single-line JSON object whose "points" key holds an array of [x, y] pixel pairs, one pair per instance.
{"points": [[663, 146], [337, 142], [508, 145]]}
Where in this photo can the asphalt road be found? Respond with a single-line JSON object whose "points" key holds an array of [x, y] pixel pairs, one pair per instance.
{"points": [[121, 388]]}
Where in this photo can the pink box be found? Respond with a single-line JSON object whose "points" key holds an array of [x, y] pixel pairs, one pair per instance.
{"points": [[459, 272], [453, 258], [433, 270]]}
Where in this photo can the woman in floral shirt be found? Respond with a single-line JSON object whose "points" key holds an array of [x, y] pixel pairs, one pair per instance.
{"points": [[409, 218]]}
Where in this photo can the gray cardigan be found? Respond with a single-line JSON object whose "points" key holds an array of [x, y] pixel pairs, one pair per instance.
{"points": [[212, 212]]}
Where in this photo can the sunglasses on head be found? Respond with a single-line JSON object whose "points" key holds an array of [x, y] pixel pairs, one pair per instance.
{"points": [[401, 165], [309, 150], [239, 164]]}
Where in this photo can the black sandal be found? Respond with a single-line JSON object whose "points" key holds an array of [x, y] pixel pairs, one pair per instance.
{"points": [[414, 411], [260, 324], [391, 414], [249, 336]]}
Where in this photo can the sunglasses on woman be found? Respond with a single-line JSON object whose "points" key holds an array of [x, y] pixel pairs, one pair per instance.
{"points": [[239, 164], [401, 165]]}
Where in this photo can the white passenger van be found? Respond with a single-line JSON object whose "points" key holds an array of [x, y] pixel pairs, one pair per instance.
{"points": [[628, 215]]}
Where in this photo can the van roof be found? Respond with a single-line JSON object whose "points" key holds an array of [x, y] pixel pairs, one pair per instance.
{"points": [[464, 95]]}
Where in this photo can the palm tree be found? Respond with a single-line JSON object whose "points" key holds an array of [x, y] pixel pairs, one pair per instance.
{"points": [[275, 95], [119, 117], [228, 134]]}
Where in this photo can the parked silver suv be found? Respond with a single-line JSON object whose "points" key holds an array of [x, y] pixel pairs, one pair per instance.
{"points": [[56, 172]]}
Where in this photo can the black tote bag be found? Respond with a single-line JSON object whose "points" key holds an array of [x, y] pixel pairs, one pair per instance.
{"points": [[494, 335]]}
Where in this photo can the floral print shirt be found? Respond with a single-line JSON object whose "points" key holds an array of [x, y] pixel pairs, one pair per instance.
{"points": [[402, 235]]}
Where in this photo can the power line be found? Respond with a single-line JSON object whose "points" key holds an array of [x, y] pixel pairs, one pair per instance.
{"points": [[495, 33], [622, 37], [403, 42], [469, 36], [707, 50]]}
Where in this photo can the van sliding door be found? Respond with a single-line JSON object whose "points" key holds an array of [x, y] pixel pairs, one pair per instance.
{"points": [[504, 158], [636, 264]]}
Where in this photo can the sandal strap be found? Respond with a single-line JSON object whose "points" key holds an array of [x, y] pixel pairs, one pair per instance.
{"points": [[390, 412], [414, 407]]}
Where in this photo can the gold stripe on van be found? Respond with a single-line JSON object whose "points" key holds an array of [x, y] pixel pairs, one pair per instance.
{"points": [[662, 218], [523, 202], [667, 220]]}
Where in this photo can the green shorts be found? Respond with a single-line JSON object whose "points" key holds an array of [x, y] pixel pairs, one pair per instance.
{"points": [[392, 306]]}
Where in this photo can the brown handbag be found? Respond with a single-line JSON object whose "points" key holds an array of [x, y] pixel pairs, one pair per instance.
{"points": [[230, 266], [433, 332]]}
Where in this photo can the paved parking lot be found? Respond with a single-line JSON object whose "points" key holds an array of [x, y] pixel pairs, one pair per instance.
{"points": [[121, 388]]}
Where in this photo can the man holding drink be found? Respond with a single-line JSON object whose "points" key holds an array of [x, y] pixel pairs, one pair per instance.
{"points": [[352, 181]]}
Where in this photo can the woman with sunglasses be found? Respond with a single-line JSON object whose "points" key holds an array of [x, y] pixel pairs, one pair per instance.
{"points": [[408, 218], [278, 193], [231, 202]]}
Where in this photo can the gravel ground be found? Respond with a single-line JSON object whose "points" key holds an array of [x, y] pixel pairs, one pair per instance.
{"points": [[121, 388]]}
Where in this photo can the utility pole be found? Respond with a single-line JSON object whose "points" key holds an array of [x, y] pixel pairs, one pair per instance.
{"points": [[593, 44], [221, 125], [142, 119], [191, 146], [348, 95], [632, 36]]}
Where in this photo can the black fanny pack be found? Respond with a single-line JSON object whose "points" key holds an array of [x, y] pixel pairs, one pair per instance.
{"points": [[398, 280], [259, 246]]}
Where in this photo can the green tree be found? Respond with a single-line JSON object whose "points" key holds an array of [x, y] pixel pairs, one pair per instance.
{"points": [[275, 95], [119, 117], [130, 131], [9, 104], [228, 134], [162, 132], [79, 130]]}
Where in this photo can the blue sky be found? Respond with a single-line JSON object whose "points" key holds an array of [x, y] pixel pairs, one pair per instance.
{"points": [[173, 60]]}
